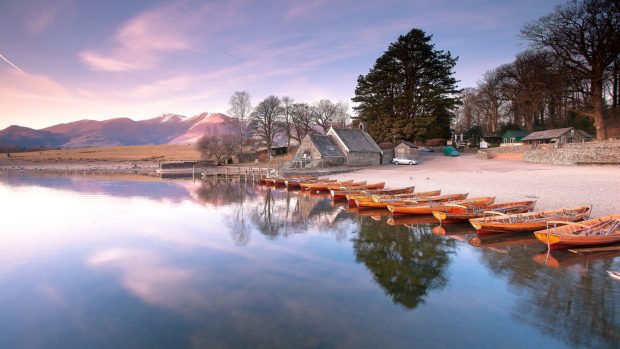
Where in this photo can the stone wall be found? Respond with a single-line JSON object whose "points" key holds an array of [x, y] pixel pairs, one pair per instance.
{"points": [[604, 152], [489, 153], [307, 146], [363, 159]]}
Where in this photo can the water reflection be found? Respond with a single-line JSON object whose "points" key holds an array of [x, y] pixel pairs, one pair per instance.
{"points": [[408, 262], [231, 264], [578, 304]]}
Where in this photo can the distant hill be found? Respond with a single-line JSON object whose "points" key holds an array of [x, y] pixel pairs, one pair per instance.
{"points": [[164, 129]]}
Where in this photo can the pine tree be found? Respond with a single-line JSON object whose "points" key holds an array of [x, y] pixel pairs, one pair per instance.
{"points": [[410, 92]]}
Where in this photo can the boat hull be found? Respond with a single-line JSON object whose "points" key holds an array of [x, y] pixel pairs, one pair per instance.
{"points": [[528, 222]]}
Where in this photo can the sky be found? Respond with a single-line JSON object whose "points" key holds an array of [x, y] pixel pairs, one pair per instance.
{"points": [[68, 60]]}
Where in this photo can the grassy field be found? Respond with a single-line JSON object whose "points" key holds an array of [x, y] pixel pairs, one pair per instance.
{"points": [[153, 153], [121, 153]]}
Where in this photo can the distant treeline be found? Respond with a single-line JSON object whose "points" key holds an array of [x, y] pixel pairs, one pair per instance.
{"points": [[569, 76]]}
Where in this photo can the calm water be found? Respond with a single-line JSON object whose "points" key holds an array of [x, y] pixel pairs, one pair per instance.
{"points": [[89, 262]]}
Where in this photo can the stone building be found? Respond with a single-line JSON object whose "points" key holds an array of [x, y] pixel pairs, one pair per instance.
{"points": [[557, 136], [406, 150], [388, 153], [340, 146]]}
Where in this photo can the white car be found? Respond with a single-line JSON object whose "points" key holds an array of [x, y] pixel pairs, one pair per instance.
{"points": [[404, 161]]}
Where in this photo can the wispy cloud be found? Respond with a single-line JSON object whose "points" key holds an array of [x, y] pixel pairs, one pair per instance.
{"points": [[11, 63], [140, 42], [42, 18]]}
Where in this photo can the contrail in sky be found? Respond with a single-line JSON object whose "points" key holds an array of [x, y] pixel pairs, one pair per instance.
{"points": [[11, 64]]}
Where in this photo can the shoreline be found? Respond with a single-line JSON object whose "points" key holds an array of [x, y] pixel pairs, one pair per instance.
{"points": [[552, 186]]}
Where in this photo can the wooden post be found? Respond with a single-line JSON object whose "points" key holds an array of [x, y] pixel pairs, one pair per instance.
{"points": [[193, 173]]}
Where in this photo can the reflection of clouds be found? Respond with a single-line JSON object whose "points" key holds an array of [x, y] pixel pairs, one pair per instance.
{"points": [[150, 278]]}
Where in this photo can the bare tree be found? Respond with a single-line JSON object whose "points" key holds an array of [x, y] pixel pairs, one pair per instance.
{"points": [[219, 148], [585, 35], [287, 118], [264, 120], [302, 121], [240, 107], [327, 114]]}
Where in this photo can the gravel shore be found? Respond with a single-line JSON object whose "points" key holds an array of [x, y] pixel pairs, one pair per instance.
{"points": [[552, 186]]}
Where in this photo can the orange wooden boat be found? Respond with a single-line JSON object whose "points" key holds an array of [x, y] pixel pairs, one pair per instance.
{"points": [[320, 185], [296, 182], [459, 213], [369, 202], [420, 199], [427, 208], [597, 231], [339, 186], [361, 194], [281, 181], [528, 222], [341, 193]]}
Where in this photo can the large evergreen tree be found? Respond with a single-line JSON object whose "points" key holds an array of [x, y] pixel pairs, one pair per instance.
{"points": [[410, 92]]}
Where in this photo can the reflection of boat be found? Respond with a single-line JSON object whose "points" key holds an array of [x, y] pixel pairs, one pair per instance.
{"points": [[455, 231], [597, 231], [428, 207], [497, 240], [528, 222], [372, 212], [403, 220], [563, 259], [459, 213]]}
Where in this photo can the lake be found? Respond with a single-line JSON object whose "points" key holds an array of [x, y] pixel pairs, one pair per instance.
{"points": [[140, 262]]}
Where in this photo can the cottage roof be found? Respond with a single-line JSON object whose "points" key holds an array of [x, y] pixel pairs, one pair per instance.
{"points": [[584, 134], [517, 134], [357, 140], [386, 145], [325, 145], [409, 144], [547, 134]]}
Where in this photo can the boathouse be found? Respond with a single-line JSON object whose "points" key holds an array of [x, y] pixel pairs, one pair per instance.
{"points": [[406, 150], [557, 136], [340, 146]]}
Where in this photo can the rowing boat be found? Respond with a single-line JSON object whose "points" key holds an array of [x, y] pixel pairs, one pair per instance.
{"points": [[321, 185], [340, 186], [528, 222], [420, 199], [417, 198], [281, 181], [427, 208], [597, 231], [296, 182], [352, 195], [459, 213], [343, 191]]}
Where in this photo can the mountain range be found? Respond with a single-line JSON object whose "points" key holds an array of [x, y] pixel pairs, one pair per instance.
{"points": [[164, 129]]}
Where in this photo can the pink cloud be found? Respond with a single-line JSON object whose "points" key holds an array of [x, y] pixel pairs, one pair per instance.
{"points": [[42, 19], [142, 41]]}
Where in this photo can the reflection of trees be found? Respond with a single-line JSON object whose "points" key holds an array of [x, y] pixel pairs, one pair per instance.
{"points": [[579, 305], [235, 195], [282, 213], [225, 192], [406, 262]]}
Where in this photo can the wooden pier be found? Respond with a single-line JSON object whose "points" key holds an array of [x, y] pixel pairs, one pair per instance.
{"points": [[239, 172]]}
